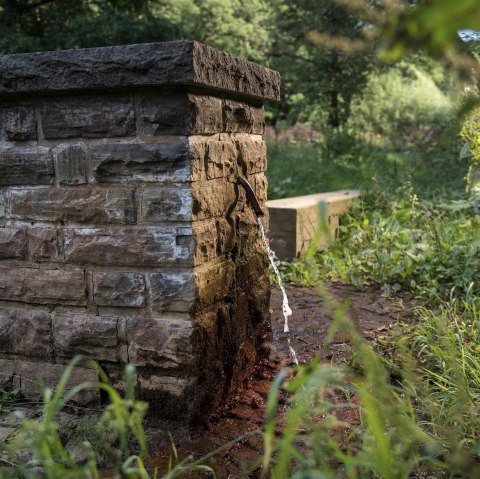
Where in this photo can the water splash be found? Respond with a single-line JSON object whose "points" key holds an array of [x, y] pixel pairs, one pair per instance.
{"points": [[285, 306]]}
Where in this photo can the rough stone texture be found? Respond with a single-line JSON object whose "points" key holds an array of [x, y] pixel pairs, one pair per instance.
{"points": [[147, 247], [42, 286], [43, 244], [155, 64], [88, 117], [26, 166], [13, 243], [119, 289], [17, 122], [132, 162], [71, 164], [124, 235], [92, 205], [172, 292], [169, 203], [31, 377], [86, 334], [25, 332]]}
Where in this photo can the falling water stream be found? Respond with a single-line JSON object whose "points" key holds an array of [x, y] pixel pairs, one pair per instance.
{"points": [[286, 308]]}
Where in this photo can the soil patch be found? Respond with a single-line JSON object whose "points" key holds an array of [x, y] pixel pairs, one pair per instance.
{"points": [[373, 315]]}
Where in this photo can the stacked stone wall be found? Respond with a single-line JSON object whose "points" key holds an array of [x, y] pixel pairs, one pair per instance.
{"points": [[123, 236]]}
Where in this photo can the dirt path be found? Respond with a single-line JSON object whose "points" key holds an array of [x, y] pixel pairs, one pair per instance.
{"points": [[310, 322]]}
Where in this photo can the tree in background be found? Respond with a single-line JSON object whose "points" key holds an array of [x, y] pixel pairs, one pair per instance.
{"points": [[35, 25], [317, 80]]}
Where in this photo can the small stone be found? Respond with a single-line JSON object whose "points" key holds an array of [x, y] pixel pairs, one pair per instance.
{"points": [[13, 243], [26, 166], [93, 336], [119, 289], [141, 162], [166, 204], [71, 164], [172, 291], [93, 116], [18, 122]]}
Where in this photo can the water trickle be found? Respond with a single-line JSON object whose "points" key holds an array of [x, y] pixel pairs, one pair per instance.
{"points": [[285, 307]]}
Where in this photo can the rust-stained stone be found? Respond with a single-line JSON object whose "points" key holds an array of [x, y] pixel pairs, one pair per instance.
{"points": [[214, 282], [42, 286]]}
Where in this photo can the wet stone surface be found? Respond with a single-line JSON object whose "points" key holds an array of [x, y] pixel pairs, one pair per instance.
{"points": [[312, 316], [372, 314]]}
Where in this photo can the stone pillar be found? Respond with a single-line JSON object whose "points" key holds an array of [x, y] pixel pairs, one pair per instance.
{"points": [[121, 237]]}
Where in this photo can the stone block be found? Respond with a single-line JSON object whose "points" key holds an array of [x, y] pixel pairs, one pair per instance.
{"points": [[240, 117], [78, 205], [6, 372], [92, 336], [150, 64], [213, 198], [93, 116], [205, 114], [42, 244], [172, 292], [163, 113], [13, 243], [25, 332], [221, 159], [295, 222], [166, 203], [164, 342], [32, 377], [253, 154], [26, 166], [206, 241], [2, 206], [71, 164], [213, 282], [119, 289], [141, 162], [137, 246], [17, 122], [42, 286]]}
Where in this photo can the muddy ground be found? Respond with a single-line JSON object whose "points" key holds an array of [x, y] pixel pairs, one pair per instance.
{"points": [[373, 315]]}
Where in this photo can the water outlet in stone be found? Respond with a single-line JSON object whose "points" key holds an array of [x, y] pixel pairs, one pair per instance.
{"points": [[271, 256]]}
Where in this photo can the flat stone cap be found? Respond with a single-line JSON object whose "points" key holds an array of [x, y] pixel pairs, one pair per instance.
{"points": [[148, 64]]}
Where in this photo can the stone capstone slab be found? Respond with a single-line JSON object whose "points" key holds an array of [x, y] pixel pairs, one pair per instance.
{"points": [[149, 64], [119, 289]]}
